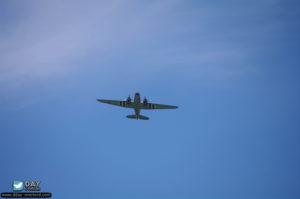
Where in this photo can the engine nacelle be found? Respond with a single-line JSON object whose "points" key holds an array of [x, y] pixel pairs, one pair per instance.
{"points": [[128, 100], [145, 101]]}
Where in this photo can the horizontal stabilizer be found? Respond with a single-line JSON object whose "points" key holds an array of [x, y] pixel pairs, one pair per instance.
{"points": [[143, 117], [132, 116], [135, 117]]}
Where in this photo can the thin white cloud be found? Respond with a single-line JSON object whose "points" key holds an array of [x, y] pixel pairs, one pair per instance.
{"points": [[55, 35]]}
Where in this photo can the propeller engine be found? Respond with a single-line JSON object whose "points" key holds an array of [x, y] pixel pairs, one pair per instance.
{"points": [[128, 99], [145, 101]]}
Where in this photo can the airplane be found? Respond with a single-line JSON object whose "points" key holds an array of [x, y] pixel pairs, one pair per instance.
{"points": [[137, 105]]}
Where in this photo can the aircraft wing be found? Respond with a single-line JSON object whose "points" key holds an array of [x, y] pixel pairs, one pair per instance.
{"points": [[157, 106], [115, 102]]}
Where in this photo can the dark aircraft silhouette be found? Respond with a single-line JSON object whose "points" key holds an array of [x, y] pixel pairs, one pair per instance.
{"points": [[137, 105]]}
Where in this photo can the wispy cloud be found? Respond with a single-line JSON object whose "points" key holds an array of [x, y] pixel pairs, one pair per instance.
{"points": [[55, 35], [50, 38]]}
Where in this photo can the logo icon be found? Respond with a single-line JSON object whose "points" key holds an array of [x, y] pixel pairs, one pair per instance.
{"points": [[18, 185]]}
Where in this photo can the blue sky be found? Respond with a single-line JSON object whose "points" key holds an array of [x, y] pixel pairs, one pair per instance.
{"points": [[232, 68]]}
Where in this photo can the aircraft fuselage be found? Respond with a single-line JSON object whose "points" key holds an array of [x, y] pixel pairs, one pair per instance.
{"points": [[137, 100]]}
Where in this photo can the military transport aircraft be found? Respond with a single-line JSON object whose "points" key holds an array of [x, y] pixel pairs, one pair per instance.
{"points": [[137, 105]]}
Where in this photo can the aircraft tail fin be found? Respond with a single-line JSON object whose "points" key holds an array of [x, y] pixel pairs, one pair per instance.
{"points": [[135, 117]]}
